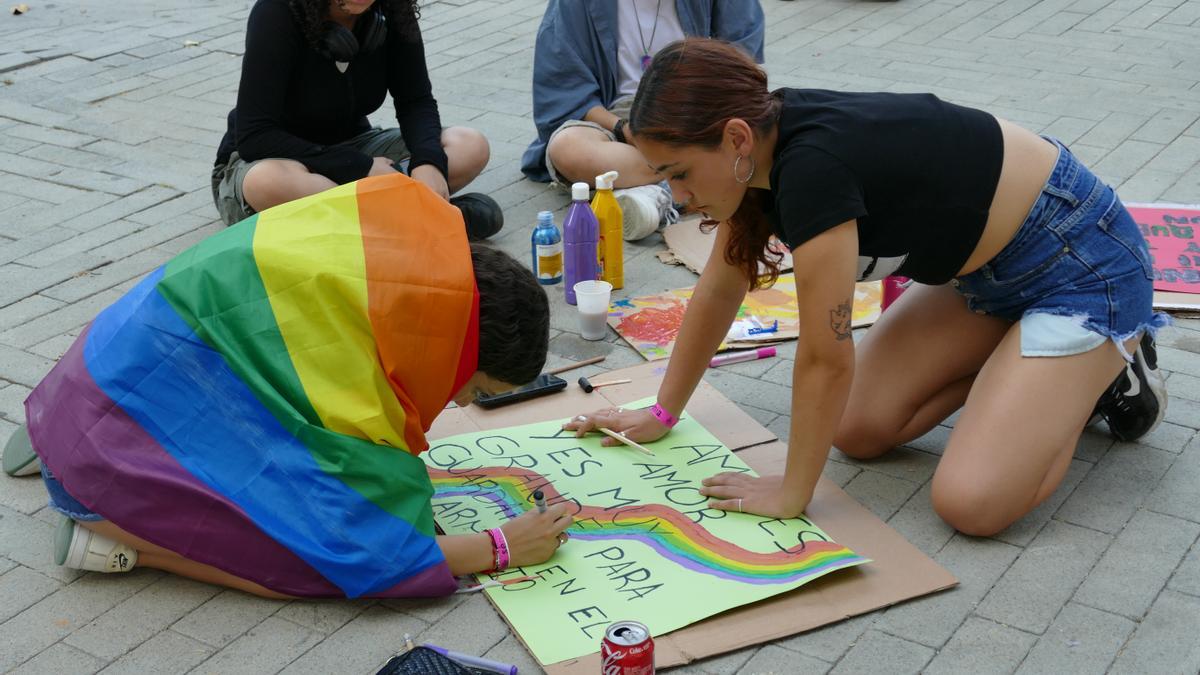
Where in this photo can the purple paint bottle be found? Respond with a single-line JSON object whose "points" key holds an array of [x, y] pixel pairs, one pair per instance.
{"points": [[581, 238]]}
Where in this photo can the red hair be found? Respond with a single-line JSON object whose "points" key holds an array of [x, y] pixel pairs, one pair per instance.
{"points": [[690, 91]]}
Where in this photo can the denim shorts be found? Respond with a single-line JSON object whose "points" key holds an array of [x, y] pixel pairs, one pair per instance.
{"points": [[63, 502], [1076, 273]]}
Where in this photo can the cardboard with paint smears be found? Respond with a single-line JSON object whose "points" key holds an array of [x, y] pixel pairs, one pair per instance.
{"points": [[1170, 232], [899, 572], [651, 323]]}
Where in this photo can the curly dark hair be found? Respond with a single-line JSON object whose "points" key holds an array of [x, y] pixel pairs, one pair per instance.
{"points": [[313, 16], [514, 317]]}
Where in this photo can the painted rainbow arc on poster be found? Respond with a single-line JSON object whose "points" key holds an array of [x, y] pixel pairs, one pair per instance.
{"points": [[669, 532], [254, 404]]}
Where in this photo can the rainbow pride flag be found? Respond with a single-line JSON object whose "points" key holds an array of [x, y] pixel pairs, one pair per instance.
{"points": [[258, 403]]}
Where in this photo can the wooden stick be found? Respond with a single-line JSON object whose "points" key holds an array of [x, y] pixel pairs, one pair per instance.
{"points": [[620, 437], [577, 364]]}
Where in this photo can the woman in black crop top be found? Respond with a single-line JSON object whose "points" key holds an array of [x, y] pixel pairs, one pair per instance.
{"points": [[1033, 284], [312, 72]]}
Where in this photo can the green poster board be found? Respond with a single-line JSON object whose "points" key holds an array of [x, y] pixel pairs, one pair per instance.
{"points": [[644, 545]]}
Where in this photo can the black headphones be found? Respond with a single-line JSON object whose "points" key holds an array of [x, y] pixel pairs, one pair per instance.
{"points": [[341, 44]]}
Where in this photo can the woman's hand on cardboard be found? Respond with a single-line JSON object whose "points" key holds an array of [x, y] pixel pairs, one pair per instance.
{"points": [[636, 425], [743, 493]]}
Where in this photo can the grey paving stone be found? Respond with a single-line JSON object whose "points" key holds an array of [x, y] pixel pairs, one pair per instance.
{"points": [[137, 619], [1176, 494], [363, 644], [1168, 436], [1081, 640], [26, 494], [1093, 444], [59, 658], [1137, 565], [876, 651], [62, 319], [225, 617], [472, 626], [166, 652], [1165, 641], [1028, 598], [1186, 578], [771, 660], [918, 523], [266, 648], [23, 310], [830, 643], [323, 616], [1024, 530], [1110, 493], [980, 646], [840, 473], [931, 620], [882, 494], [63, 612], [28, 540], [1178, 361], [21, 587], [902, 462], [1182, 411], [511, 651], [104, 277]]}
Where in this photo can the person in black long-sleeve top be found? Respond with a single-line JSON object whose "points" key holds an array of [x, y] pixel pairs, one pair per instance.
{"points": [[312, 72]]}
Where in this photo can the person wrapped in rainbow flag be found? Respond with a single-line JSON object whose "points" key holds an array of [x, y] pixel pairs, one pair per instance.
{"points": [[251, 413]]}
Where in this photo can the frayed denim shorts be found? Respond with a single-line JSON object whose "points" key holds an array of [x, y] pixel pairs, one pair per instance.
{"points": [[63, 502], [1076, 273]]}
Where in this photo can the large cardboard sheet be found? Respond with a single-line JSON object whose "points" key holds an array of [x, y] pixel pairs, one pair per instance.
{"points": [[898, 572], [690, 246], [643, 538]]}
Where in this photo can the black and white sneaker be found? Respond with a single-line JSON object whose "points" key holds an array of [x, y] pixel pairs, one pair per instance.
{"points": [[1137, 400]]}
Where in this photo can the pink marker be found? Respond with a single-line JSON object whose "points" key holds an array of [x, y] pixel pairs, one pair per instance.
{"points": [[738, 357]]}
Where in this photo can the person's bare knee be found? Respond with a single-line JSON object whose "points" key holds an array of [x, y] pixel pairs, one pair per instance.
{"points": [[969, 507], [274, 181], [569, 151], [467, 153]]}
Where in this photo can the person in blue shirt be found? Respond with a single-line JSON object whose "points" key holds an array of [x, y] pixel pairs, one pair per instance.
{"points": [[587, 63]]}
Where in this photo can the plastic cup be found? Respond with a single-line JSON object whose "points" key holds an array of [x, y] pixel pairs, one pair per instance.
{"points": [[592, 298]]}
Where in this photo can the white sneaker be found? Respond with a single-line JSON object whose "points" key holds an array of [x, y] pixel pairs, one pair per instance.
{"points": [[644, 208], [82, 549]]}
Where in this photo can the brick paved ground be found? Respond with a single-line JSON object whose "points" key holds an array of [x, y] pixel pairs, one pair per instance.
{"points": [[109, 115]]}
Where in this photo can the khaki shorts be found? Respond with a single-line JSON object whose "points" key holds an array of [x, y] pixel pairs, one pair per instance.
{"points": [[620, 108], [227, 178]]}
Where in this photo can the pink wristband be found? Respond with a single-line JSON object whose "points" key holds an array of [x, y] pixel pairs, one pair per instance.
{"points": [[668, 420], [499, 549]]}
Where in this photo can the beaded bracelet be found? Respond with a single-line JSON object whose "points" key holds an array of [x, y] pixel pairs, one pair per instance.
{"points": [[668, 420], [499, 549]]}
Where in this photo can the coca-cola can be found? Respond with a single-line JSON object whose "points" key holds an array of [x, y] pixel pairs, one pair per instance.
{"points": [[627, 650]]}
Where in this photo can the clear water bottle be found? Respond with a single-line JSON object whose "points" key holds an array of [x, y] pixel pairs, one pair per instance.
{"points": [[547, 250]]}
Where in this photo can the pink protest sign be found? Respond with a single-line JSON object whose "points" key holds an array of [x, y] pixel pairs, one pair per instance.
{"points": [[1170, 230]]}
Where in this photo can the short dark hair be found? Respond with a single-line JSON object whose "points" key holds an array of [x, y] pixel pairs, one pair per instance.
{"points": [[514, 317]]}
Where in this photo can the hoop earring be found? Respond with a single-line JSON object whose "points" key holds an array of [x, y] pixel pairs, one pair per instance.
{"points": [[753, 166]]}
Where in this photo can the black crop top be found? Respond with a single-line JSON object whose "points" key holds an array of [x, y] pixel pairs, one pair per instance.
{"points": [[918, 174], [294, 103]]}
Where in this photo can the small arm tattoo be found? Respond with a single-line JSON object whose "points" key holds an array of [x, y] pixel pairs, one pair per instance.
{"points": [[841, 320]]}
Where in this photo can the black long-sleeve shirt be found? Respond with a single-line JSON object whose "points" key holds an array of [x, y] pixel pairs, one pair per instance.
{"points": [[293, 103]]}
